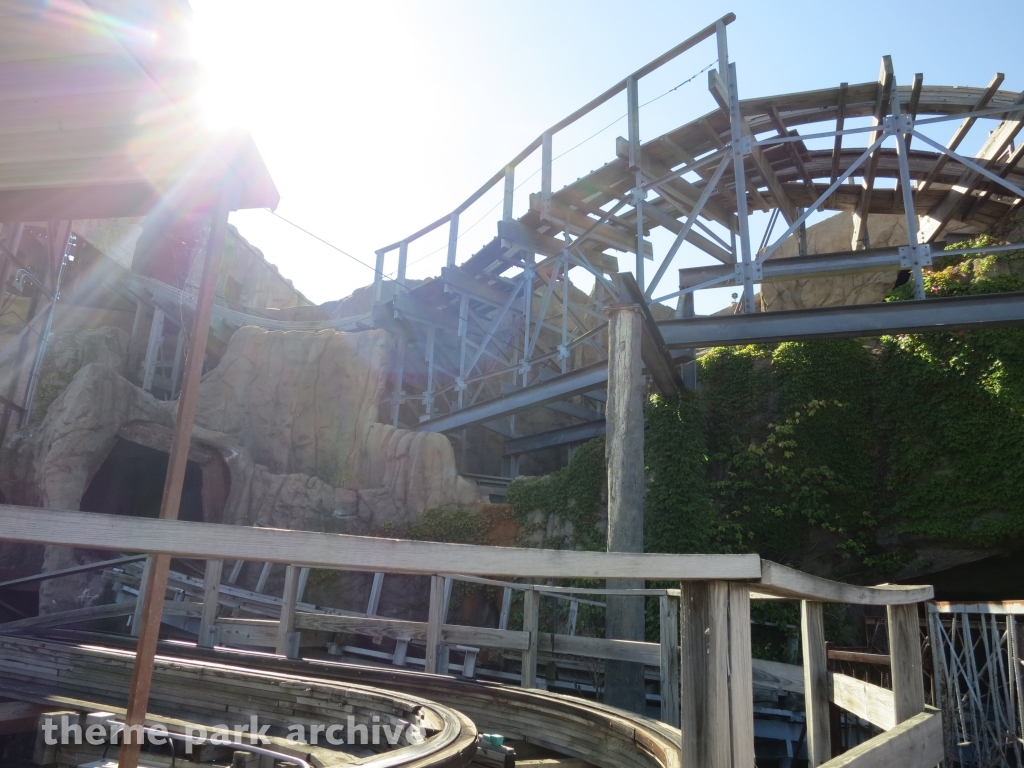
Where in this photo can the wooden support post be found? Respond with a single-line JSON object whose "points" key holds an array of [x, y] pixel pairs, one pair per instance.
{"points": [[816, 698], [288, 600], [443, 655], [905, 658], [142, 673], [434, 622], [141, 599], [531, 624], [669, 660], [624, 454], [741, 677], [704, 701], [211, 589]]}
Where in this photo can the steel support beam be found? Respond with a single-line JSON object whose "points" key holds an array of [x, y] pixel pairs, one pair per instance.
{"points": [[948, 314], [577, 433]]}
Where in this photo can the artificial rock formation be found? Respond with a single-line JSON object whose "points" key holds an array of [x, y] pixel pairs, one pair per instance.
{"points": [[833, 235], [289, 416]]}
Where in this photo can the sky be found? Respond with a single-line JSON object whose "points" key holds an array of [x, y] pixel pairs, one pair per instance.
{"points": [[376, 118]]}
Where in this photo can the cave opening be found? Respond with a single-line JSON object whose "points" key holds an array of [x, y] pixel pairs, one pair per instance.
{"points": [[130, 482]]}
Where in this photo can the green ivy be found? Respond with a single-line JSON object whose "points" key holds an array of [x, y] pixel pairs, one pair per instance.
{"points": [[454, 526]]}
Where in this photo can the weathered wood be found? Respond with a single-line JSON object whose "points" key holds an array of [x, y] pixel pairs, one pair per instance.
{"points": [[786, 582], [860, 221], [185, 417], [869, 702], [624, 456], [741, 677], [531, 626], [211, 589], [915, 743], [205, 541], [816, 698], [92, 613], [669, 648], [289, 598], [704, 676], [905, 653], [434, 622]]}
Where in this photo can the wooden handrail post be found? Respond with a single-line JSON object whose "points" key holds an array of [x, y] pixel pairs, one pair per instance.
{"points": [[669, 660], [531, 624], [905, 658], [716, 706], [288, 600], [816, 693], [434, 622], [211, 589], [188, 399]]}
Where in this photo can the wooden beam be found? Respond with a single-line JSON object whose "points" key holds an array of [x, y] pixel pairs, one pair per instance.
{"points": [[290, 596], [905, 652], [434, 622], [961, 132], [712, 134], [531, 626], [786, 582], [868, 702], [798, 162], [998, 142], [816, 698], [669, 649], [916, 743], [761, 163], [838, 146], [206, 541], [860, 221], [188, 399]]}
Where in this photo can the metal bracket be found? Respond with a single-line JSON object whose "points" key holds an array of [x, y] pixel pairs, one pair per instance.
{"points": [[746, 144], [638, 195], [918, 255], [563, 352], [755, 269], [893, 124], [460, 385], [524, 367]]}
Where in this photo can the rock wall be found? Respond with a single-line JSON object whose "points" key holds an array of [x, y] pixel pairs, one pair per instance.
{"points": [[834, 235], [291, 416]]}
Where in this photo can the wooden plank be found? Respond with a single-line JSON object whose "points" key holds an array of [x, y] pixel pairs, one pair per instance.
{"points": [[869, 702], [858, 657], [915, 743], [211, 589], [905, 652], [289, 598], [741, 681], [669, 649], [531, 626], [434, 622], [601, 648], [786, 582], [838, 145], [816, 699], [860, 221], [91, 613], [207, 541]]}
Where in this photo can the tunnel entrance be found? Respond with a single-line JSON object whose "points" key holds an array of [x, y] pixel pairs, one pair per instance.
{"points": [[130, 482]]}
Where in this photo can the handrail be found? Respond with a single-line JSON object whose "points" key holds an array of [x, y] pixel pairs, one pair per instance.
{"points": [[590, 106]]}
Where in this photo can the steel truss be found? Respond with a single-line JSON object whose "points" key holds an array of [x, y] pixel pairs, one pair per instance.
{"points": [[504, 330]]}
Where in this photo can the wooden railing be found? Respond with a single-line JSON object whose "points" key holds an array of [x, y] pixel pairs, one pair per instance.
{"points": [[715, 663]]}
